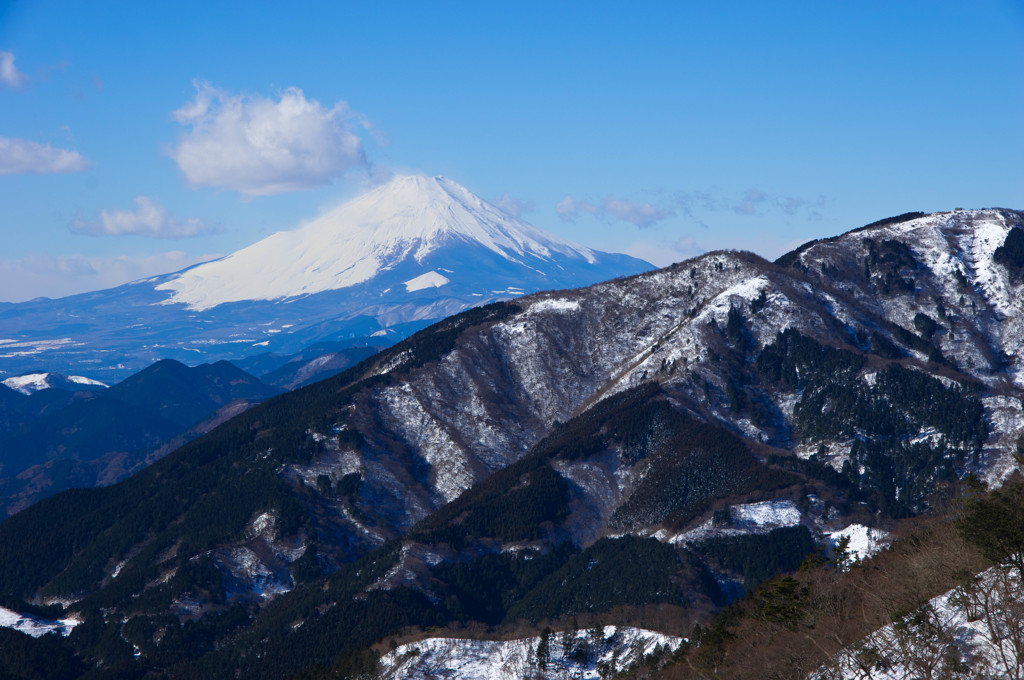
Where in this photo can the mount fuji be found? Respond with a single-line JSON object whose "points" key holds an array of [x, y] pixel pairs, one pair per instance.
{"points": [[374, 270]]}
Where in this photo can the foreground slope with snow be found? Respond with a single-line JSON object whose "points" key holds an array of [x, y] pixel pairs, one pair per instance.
{"points": [[586, 655], [972, 631], [412, 251]]}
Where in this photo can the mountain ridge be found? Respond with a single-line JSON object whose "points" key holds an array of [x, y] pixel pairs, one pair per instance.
{"points": [[541, 444]]}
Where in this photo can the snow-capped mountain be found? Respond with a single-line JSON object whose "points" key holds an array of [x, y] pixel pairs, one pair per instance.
{"points": [[385, 264], [411, 223]]}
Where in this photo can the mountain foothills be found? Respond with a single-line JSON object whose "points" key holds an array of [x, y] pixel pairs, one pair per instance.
{"points": [[638, 452], [369, 272], [70, 434]]}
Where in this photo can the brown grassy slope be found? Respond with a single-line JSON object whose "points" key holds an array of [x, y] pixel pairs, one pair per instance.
{"points": [[798, 623]]}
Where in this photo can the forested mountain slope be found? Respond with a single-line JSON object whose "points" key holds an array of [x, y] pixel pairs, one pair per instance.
{"points": [[663, 440]]}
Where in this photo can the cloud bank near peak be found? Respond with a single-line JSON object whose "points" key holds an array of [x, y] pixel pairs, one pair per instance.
{"points": [[149, 219], [46, 275], [640, 214], [260, 146]]}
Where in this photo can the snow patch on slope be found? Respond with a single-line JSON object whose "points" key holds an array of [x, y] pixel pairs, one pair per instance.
{"points": [[864, 541], [748, 518], [34, 625], [556, 305], [429, 280], [771, 514]]}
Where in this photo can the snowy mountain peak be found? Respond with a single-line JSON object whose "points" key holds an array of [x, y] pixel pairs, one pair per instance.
{"points": [[408, 218]]}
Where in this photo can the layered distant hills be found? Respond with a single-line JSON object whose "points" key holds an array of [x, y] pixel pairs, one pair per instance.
{"points": [[370, 272], [64, 436], [643, 449]]}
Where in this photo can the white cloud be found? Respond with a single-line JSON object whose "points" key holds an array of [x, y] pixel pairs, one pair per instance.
{"points": [[640, 214], [60, 275], [10, 76], [148, 219], [513, 206], [258, 146], [22, 157]]}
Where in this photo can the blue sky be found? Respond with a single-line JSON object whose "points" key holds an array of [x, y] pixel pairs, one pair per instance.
{"points": [[137, 138]]}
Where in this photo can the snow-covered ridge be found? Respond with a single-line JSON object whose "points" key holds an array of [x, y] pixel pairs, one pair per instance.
{"points": [[406, 219], [582, 654], [33, 382]]}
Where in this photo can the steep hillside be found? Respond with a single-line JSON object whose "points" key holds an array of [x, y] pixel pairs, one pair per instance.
{"points": [[662, 441]]}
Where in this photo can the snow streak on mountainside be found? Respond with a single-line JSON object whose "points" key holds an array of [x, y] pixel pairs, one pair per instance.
{"points": [[408, 218], [410, 252]]}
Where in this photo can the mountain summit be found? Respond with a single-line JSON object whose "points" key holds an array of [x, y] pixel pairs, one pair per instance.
{"points": [[412, 251], [410, 220]]}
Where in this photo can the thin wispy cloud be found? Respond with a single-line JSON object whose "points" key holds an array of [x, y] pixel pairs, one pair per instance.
{"points": [[261, 146], [10, 76], [44, 275], [640, 214], [149, 219], [793, 206], [750, 202], [513, 206], [23, 157], [698, 206]]}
